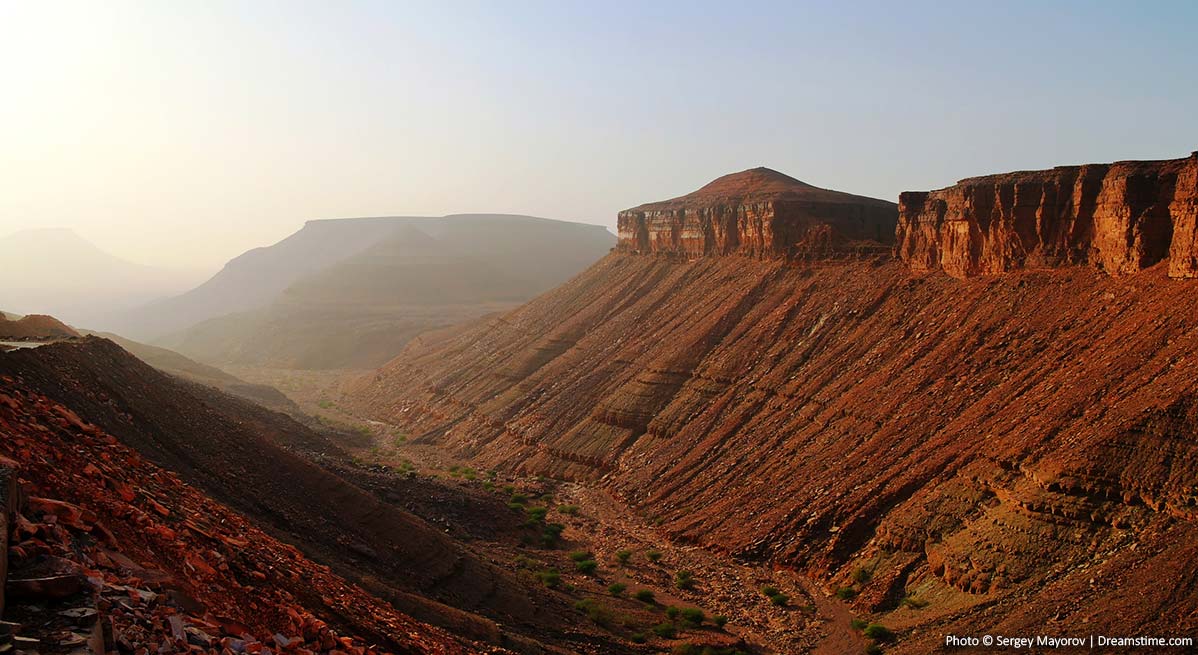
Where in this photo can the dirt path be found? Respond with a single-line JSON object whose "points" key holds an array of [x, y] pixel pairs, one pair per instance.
{"points": [[810, 623]]}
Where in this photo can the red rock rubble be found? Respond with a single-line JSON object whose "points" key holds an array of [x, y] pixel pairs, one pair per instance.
{"points": [[106, 539]]}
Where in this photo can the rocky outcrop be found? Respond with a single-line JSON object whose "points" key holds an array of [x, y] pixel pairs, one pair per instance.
{"points": [[1121, 218], [759, 213], [35, 327]]}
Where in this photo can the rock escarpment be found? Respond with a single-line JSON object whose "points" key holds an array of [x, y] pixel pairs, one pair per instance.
{"points": [[1008, 451], [1121, 218], [762, 213]]}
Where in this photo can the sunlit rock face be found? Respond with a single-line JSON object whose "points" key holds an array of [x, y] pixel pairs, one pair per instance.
{"points": [[759, 213], [1121, 218]]}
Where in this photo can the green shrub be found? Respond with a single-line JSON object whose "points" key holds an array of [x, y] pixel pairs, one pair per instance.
{"points": [[858, 624], [580, 555], [616, 588], [879, 632], [653, 555], [518, 498], [720, 621], [769, 591], [694, 616], [516, 507], [638, 638], [861, 575], [586, 566], [846, 593], [488, 486], [550, 577], [914, 603], [672, 612], [645, 596], [684, 579], [873, 649], [622, 556], [780, 599], [569, 510], [508, 489], [594, 611], [665, 630], [536, 514]]}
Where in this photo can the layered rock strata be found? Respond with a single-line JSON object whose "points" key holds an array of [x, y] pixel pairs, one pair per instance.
{"points": [[761, 213], [1121, 218]]}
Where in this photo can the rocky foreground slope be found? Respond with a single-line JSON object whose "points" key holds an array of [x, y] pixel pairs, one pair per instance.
{"points": [[1009, 453], [109, 553]]}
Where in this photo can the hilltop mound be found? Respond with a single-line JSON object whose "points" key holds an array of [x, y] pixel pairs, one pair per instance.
{"points": [[35, 326], [763, 213], [1007, 453]]}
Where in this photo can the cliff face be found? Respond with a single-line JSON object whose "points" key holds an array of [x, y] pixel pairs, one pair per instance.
{"points": [[1120, 218], [759, 213]]}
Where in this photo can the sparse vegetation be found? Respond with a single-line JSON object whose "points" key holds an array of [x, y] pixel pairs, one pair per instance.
{"points": [[672, 612], [780, 599], [858, 624], [694, 616], [536, 514], [518, 498], [645, 596], [550, 577], [846, 593], [586, 566], [914, 603], [684, 579], [569, 510], [580, 555], [769, 591], [622, 556], [720, 621], [594, 611], [665, 630], [616, 588], [638, 638], [653, 555], [873, 649], [551, 534], [861, 575], [879, 633]]}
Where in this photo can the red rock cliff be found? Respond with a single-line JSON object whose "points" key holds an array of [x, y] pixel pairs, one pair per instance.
{"points": [[1121, 218], [761, 213]]}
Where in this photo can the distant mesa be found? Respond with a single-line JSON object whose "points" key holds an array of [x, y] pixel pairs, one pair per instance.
{"points": [[763, 213], [1121, 218]]}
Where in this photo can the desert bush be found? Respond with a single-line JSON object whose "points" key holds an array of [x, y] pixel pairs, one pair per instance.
{"points": [[580, 555], [586, 566], [516, 507], [873, 649], [861, 575], [914, 603], [720, 621], [622, 556], [665, 630], [858, 624], [684, 579], [645, 596], [653, 555], [518, 498], [536, 514], [672, 612], [780, 599], [768, 591], [550, 577], [569, 510], [878, 632], [638, 638], [846, 593], [616, 588], [694, 616]]}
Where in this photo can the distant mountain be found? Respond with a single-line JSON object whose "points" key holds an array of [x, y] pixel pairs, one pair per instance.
{"points": [[57, 272], [422, 273]]}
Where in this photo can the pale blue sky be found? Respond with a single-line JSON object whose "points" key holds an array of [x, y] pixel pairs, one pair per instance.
{"points": [[172, 132]]}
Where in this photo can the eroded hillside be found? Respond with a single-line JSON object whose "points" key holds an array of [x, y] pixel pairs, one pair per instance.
{"points": [[1001, 452]]}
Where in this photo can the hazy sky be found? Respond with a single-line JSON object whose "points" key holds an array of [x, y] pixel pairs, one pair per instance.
{"points": [[185, 133]]}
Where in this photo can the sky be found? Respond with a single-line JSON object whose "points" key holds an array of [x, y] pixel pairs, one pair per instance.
{"points": [[183, 133]]}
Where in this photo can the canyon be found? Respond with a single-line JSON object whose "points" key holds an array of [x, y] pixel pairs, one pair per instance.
{"points": [[948, 448]]}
